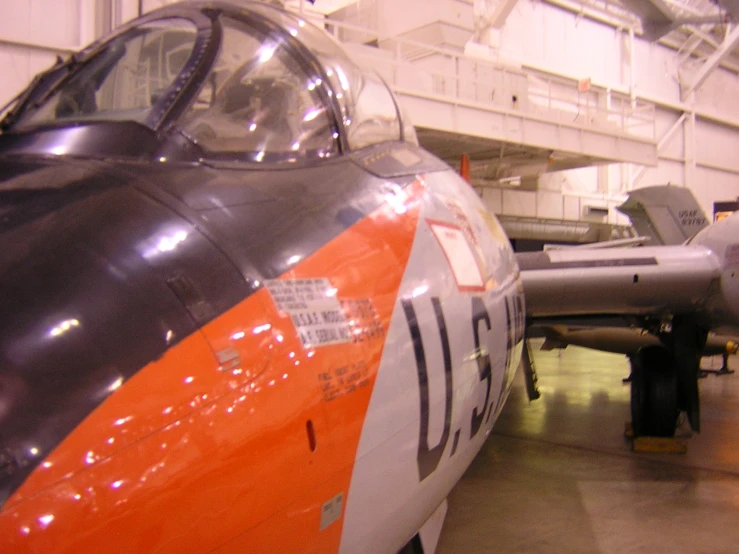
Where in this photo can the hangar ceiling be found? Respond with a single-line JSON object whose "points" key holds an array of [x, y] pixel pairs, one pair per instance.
{"points": [[704, 32]]}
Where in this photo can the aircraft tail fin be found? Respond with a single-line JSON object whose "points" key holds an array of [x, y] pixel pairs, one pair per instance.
{"points": [[666, 214]]}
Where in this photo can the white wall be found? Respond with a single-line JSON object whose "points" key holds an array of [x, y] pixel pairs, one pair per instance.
{"points": [[53, 26], [539, 35]]}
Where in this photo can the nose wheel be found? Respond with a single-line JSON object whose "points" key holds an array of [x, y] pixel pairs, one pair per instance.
{"points": [[654, 393]]}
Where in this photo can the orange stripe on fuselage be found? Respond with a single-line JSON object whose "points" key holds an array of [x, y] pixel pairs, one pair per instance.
{"points": [[188, 457]]}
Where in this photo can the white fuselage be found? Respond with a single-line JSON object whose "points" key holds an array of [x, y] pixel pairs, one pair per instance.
{"points": [[450, 355]]}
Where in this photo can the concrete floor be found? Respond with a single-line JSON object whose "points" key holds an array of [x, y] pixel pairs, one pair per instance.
{"points": [[557, 474]]}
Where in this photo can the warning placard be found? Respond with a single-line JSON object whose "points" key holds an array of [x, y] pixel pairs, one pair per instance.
{"points": [[459, 254], [313, 308]]}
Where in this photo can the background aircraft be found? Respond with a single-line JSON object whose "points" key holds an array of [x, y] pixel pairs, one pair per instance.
{"points": [[661, 215], [677, 293]]}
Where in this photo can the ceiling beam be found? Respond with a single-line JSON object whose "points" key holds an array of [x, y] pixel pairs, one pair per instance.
{"points": [[501, 13], [725, 48]]}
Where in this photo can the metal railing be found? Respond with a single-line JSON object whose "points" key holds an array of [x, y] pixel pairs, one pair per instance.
{"points": [[422, 70]]}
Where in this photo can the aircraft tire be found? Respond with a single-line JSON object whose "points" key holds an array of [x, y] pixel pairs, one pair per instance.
{"points": [[654, 407]]}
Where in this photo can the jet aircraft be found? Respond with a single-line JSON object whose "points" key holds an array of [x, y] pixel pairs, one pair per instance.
{"points": [[661, 214], [244, 311]]}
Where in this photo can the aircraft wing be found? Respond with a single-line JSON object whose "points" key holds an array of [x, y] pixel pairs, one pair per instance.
{"points": [[646, 281], [621, 340]]}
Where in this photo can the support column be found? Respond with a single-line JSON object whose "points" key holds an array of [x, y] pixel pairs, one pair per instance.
{"points": [[689, 148], [127, 10], [632, 69], [604, 105]]}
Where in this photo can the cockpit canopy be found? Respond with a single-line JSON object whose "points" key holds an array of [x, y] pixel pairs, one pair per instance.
{"points": [[249, 83]]}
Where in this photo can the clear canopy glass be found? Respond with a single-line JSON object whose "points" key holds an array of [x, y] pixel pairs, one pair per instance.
{"points": [[272, 88], [124, 81]]}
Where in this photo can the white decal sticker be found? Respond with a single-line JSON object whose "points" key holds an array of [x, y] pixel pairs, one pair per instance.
{"points": [[331, 510], [459, 255], [313, 308]]}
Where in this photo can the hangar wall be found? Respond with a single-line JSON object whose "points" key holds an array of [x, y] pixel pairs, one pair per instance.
{"points": [[700, 152], [32, 33], [700, 137]]}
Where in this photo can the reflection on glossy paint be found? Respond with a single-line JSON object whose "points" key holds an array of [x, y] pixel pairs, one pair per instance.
{"points": [[117, 484], [237, 336], [293, 259], [418, 291], [45, 520], [396, 200], [167, 244], [115, 384], [123, 420], [279, 338], [261, 328], [189, 380], [63, 327], [47, 465], [25, 529]]}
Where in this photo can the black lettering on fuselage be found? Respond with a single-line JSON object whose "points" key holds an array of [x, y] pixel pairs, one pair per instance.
{"points": [[428, 458], [484, 370]]}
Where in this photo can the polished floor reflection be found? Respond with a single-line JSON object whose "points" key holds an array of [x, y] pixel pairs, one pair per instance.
{"points": [[557, 474]]}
